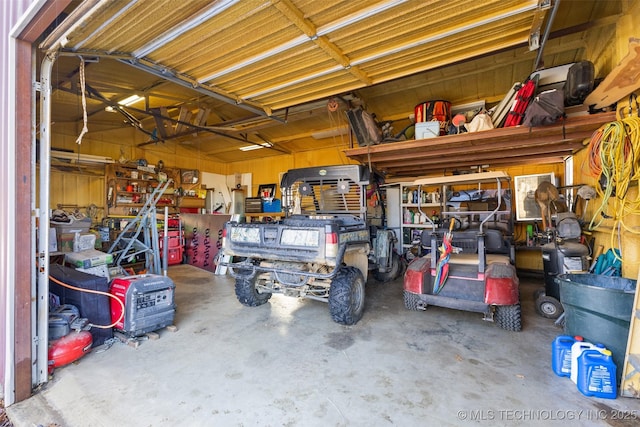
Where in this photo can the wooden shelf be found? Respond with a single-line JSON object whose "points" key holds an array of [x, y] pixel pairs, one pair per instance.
{"points": [[118, 178], [496, 147], [191, 202], [257, 215]]}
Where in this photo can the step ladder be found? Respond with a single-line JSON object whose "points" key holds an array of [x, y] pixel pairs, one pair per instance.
{"points": [[630, 383], [128, 244]]}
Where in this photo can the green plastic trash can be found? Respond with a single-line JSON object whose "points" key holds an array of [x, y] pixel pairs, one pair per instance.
{"points": [[598, 308]]}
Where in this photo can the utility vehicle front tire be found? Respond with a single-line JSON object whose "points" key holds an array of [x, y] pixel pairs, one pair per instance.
{"points": [[346, 296]]}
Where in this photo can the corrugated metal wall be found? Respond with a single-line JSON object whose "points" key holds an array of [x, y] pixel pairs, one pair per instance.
{"points": [[10, 15]]}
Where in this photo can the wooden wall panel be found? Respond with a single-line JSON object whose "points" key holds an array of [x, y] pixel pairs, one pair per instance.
{"points": [[71, 189], [606, 235], [269, 169]]}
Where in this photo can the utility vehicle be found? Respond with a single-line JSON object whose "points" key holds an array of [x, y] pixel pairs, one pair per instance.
{"points": [[323, 249]]}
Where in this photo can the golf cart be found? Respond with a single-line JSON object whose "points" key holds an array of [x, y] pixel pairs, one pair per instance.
{"points": [[469, 261]]}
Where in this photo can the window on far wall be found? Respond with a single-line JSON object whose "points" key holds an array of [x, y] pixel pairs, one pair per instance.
{"points": [[527, 209]]}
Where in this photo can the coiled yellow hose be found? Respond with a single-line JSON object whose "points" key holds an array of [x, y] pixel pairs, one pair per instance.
{"points": [[614, 159]]}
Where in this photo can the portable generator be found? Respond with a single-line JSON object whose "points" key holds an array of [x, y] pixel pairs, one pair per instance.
{"points": [[565, 254], [148, 301]]}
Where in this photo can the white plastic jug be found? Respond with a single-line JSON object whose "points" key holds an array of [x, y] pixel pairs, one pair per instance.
{"points": [[576, 350]]}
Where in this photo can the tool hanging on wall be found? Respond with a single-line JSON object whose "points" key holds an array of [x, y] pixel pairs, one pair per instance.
{"points": [[612, 160]]}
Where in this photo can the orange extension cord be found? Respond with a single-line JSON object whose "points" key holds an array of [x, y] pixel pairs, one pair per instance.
{"points": [[66, 285]]}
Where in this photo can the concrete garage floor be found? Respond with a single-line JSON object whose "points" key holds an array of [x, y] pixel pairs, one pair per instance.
{"points": [[287, 363]]}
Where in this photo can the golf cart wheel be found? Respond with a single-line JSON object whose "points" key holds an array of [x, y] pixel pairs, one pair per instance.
{"points": [[548, 307], [394, 271], [509, 317], [346, 296], [411, 301], [247, 293]]}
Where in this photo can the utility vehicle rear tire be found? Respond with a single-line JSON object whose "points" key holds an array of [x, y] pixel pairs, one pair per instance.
{"points": [[509, 317], [346, 296], [411, 301], [394, 271], [248, 294], [548, 307]]}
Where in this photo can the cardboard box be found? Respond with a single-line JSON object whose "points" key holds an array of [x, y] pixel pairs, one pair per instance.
{"points": [[427, 129], [88, 258], [84, 241]]}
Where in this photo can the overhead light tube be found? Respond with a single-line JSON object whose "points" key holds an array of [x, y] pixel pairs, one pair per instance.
{"points": [[131, 100], [256, 146]]}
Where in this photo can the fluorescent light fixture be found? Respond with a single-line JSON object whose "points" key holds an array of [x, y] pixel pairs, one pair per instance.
{"points": [[131, 100], [328, 133], [357, 17], [264, 55], [334, 26], [293, 82], [81, 158], [215, 9], [256, 146], [530, 5]]}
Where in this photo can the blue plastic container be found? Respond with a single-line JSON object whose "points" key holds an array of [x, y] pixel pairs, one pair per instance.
{"points": [[597, 374], [561, 354], [272, 206], [576, 350]]}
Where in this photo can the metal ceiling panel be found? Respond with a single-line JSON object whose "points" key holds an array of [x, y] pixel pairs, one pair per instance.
{"points": [[247, 60], [272, 52]]}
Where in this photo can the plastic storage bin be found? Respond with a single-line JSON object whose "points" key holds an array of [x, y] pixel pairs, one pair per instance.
{"points": [[599, 309]]}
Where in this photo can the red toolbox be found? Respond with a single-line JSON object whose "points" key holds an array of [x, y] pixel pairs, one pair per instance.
{"points": [[175, 246], [174, 256]]}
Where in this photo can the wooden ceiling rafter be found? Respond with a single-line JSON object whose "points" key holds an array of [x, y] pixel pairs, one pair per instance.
{"points": [[297, 18]]}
